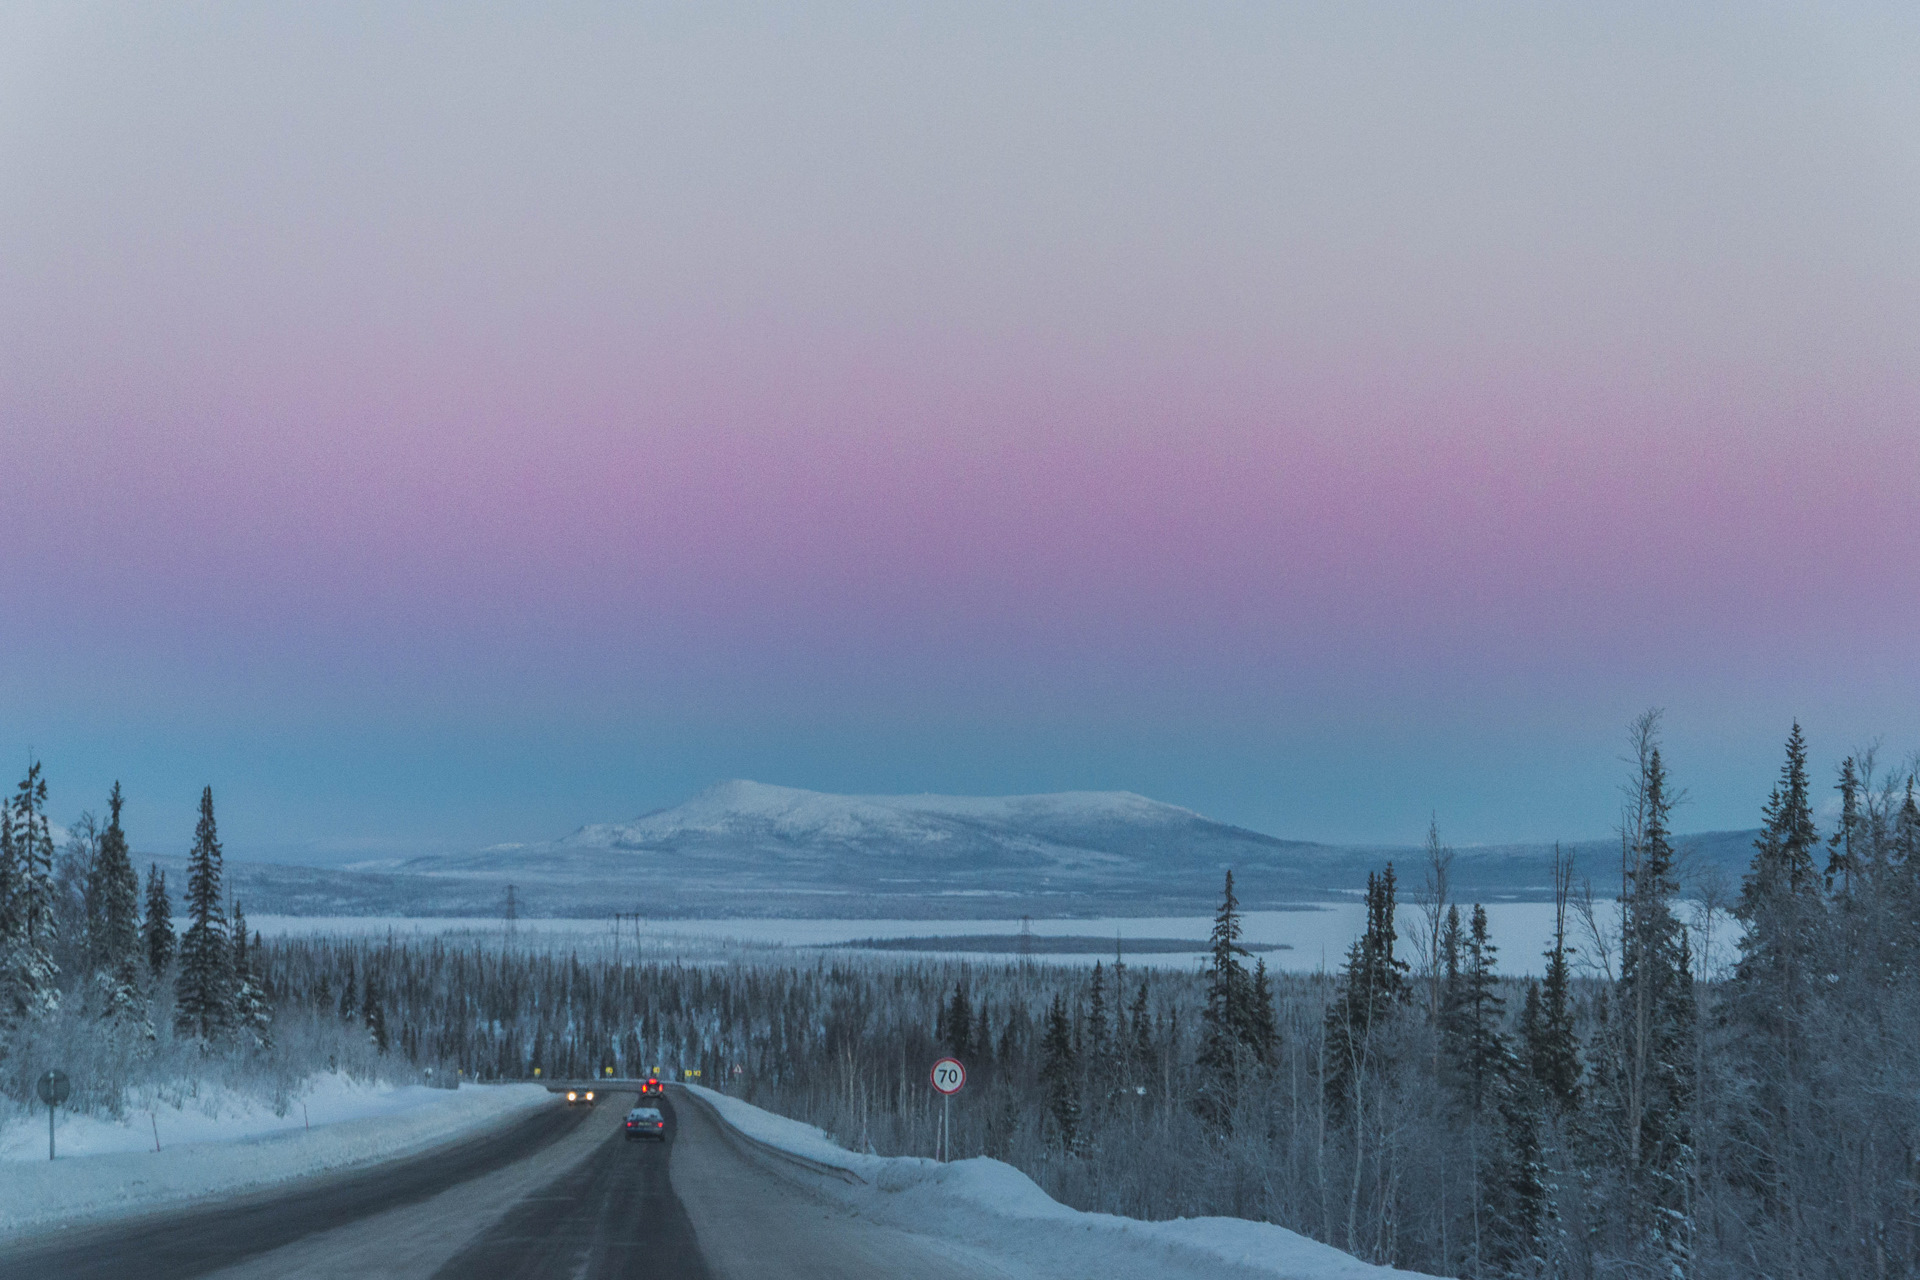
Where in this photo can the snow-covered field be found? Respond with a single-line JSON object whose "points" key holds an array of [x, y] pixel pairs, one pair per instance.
{"points": [[216, 1143], [994, 1209], [1316, 935]]}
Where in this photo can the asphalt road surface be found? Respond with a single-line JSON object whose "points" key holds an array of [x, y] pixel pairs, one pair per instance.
{"points": [[561, 1193]]}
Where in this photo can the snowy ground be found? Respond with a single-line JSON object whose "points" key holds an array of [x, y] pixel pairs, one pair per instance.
{"points": [[993, 1209], [219, 1144]]}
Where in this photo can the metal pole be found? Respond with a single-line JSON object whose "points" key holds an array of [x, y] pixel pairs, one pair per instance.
{"points": [[50, 1107], [946, 1127]]}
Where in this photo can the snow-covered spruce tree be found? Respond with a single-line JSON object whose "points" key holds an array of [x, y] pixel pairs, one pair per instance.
{"points": [[1518, 1185], [1478, 1048], [1262, 1032], [373, 1012], [1447, 1029], [1843, 847], [1785, 917], [1498, 1112], [1060, 1074], [349, 1001], [1643, 1121], [203, 991], [156, 934], [1552, 1044], [1226, 1021], [1373, 983], [955, 1028], [1360, 1060], [252, 1017], [1906, 840], [1097, 1042], [114, 894], [1143, 1058], [982, 1041], [28, 975]]}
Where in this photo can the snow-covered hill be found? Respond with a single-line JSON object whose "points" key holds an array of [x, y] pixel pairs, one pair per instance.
{"points": [[748, 849], [790, 850], [741, 809]]}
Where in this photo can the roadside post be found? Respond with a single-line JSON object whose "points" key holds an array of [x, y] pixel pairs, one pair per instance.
{"points": [[949, 1077], [53, 1089]]}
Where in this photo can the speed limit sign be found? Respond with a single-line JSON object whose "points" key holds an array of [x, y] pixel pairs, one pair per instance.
{"points": [[949, 1075]]}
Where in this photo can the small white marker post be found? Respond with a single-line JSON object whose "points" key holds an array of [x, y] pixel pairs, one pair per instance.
{"points": [[949, 1077]]}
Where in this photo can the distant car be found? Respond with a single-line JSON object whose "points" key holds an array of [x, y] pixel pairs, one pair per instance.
{"points": [[579, 1097], [646, 1122], [652, 1088]]}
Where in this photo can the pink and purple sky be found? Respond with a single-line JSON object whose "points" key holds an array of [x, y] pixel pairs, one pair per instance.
{"points": [[433, 425]]}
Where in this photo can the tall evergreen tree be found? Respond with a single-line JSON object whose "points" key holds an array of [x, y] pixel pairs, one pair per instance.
{"points": [[1518, 1184], [1060, 1073], [956, 1024], [1141, 1054], [1906, 833], [1843, 852], [1651, 1076], [1552, 1044], [114, 895], [1226, 1020], [373, 1012], [1781, 906], [1447, 1031], [251, 1015], [203, 991], [982, 1045], [158, 929], [28, 973], [1372, 983], [1479, 1049], [9, 908], [349, 1000], [1097, 1036], [1263, 1028]]}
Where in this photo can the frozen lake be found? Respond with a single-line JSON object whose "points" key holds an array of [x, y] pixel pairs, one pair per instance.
{"points": [[1315, 937]]}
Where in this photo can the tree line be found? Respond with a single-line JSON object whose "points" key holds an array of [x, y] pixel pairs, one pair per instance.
{"points": [[85, 957]]}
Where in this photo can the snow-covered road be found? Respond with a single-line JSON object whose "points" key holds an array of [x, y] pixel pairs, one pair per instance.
{"points": [[737, 1194]]}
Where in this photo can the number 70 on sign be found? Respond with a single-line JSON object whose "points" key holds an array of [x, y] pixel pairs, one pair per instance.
{"points": [[949, 1076]]}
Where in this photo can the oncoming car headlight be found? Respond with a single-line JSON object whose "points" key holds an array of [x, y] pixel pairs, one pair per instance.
{"points": [[589, 1095], [572, 1096]]}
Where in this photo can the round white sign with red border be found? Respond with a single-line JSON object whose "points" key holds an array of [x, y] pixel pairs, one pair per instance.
{"points": [[949, 1075]]}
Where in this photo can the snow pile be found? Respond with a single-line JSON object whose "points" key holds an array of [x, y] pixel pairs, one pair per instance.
{"points": [[215, 1143], [995, 1209]]}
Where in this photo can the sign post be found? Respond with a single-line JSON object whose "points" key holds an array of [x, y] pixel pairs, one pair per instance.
{"points": [[949, 1077], [53, 1089]]}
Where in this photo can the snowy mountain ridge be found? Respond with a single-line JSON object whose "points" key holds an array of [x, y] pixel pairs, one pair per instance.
{"points": [[789, 813], [743, 848]]}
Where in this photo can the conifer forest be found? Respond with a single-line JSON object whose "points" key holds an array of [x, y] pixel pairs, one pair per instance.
{"points": [[1632, 1113]]}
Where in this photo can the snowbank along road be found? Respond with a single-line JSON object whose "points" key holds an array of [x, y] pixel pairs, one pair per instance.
{"points": [[558, 1193]]}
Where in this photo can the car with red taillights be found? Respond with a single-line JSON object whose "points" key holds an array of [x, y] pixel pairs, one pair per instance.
{"points": [[646, 1123]]}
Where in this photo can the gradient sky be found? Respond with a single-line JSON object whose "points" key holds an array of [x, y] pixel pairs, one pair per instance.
{"points": [[440, 424]]}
